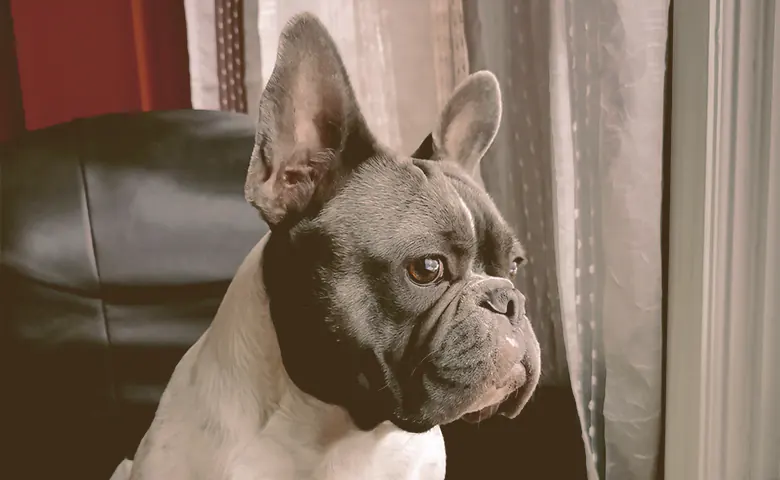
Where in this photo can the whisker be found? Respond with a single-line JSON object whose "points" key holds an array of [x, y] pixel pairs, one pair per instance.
{"points": [[421, 362]]}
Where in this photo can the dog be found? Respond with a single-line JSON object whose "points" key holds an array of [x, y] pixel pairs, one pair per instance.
{"points": [[379, 306]]}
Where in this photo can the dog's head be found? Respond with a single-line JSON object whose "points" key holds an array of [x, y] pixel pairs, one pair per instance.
{"points": [[389, 277]]}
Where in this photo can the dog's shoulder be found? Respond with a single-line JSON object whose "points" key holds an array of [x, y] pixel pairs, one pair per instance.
{"points": [[174, 437]]}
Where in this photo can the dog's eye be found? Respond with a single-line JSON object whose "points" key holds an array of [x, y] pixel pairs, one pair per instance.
{"points": [[426, 270], [516, 264]]}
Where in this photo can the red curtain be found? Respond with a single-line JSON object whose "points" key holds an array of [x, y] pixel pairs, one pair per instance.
{"points": [[80, 58]]}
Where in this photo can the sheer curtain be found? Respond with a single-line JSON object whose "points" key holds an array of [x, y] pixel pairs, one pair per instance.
{"points": [[576, 167], [579, 172], [416, 48]]}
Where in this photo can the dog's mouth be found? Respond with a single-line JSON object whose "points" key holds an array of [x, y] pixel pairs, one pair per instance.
{"points": [[506, 407], [508, 401], [481, 415]]}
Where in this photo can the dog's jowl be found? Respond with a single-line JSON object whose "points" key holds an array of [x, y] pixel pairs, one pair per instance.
{"points": [[379, 307]]}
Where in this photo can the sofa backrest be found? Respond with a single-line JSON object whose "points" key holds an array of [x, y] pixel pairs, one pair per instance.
{"points": [[118, 237]]}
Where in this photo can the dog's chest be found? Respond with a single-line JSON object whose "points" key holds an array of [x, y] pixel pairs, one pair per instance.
{"points": [[177, 447], [380, 455], [210, 433]]}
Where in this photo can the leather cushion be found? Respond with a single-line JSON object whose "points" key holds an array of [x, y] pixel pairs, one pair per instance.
{"points": [[118, 237]]}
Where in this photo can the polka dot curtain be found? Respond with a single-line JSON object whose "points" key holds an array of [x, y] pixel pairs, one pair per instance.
{"points": [[577, 169]]}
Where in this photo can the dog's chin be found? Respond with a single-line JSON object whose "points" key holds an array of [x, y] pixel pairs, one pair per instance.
{"points": [[508, 402], [412, 425]]}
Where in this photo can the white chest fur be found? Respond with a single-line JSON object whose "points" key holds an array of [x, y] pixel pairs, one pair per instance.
{"points": [[230, 412]]}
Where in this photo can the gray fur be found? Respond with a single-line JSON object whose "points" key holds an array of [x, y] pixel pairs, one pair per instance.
{"points": [[348, 217]]}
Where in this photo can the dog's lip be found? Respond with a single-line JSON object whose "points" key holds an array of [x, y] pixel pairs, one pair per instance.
{"points": [[508, 397], [507, 407], [482, 414]]}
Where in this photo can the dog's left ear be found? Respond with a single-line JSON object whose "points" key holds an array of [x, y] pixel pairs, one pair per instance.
{"points": [[468, 123], [310, 133]]}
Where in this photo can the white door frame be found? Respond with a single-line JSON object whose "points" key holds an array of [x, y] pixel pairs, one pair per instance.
{"points": [[723, 355]]}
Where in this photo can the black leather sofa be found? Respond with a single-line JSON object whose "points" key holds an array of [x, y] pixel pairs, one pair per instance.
{"points": [[118, 237]]}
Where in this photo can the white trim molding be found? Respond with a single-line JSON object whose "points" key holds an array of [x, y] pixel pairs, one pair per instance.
{"points": [[723, 355]]}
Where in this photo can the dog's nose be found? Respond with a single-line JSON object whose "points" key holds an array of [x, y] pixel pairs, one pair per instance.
{"points": [[503, 301]]}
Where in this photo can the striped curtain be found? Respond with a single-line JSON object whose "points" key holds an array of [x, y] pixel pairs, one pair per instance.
{"points": [[224, 54], [404, 56]]}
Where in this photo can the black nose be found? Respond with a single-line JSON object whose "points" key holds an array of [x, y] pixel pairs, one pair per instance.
{"points": [[503, 301]]}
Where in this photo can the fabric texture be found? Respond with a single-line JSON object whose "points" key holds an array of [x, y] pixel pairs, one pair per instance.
{"points": [[119, 235], [224, 54], [134, 58], [412, 47], [610, 144], [579, 172]]}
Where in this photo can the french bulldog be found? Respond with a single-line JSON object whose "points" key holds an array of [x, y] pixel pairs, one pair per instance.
{"points": [[379, 307]]}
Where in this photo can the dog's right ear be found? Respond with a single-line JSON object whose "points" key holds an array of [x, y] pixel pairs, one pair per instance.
{"points": [[310, 133], [467, 125]]}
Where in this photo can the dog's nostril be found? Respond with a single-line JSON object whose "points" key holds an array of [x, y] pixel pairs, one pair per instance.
{"points": [[499, 301], [510, 309]]}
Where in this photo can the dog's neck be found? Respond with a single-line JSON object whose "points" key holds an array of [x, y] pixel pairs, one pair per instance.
{"points": [[239, 366], [231, 411]]}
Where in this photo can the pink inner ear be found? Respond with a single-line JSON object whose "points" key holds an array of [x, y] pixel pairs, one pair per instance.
{"points": [[306, 132]]}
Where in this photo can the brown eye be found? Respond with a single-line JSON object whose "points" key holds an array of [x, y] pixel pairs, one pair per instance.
{"points": [[425, 270], [515, 266]]}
